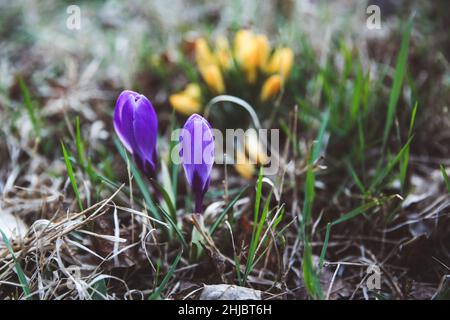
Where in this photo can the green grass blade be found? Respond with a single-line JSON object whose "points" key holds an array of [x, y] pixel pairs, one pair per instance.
{"points": [[325, 245], [173, 224], [71, 175], [398, 81], [19, 271], [357, 94], [318, 146], [379, 177], [405, 159], [222, 215], [309, 195], [310, 277], [79, 144], [350, 215], [255, 225], [257, 236], [355, 177], [143, 188], [30, 107], [167, 198], [258, 196], [157, 293], [446, 179], [312, 282]]}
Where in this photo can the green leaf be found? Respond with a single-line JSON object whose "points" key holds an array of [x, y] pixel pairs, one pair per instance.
{"points": [[98, 290]]}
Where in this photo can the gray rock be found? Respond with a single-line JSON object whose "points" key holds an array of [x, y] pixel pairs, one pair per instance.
{"points": [[229, 292]]}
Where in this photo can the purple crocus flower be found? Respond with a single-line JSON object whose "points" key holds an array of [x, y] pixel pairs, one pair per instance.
{"points": [[197, 156], [136, 125]]}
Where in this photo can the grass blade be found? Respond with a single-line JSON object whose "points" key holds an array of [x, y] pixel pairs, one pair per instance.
{"points": [[312, 282], [19, 271], [173, 224], [379, 177], [318, 146], [405, 159], [143, 188], [398, 81], [79, 143], [311, 279], [446, 179], [157, 293], [225, 211], [71, 175], [255, 224], [30, 107], [348, 216], [167, 198]]}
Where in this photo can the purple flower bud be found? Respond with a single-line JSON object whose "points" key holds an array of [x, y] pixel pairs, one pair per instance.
{"points": [[197, 155], [136, 125]]}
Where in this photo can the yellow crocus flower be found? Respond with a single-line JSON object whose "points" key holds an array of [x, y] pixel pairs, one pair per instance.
{"points": [[243, 166], [263, 49], [213, 78], [271, 87], [255, 149], [185, 104], [193, 90], [187, 101], [203, 54], [281, 62], [251, 52], [241, 38], [223, 53], [246, 53]]}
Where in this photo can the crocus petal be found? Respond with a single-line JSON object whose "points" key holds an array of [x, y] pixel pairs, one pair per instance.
{"points": [[244, 166], [125, 135], [145, 127], [136, 125], [271, 87], [197, 154], [185, 104], [127, 117], [213, 78], [281, 62]]}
